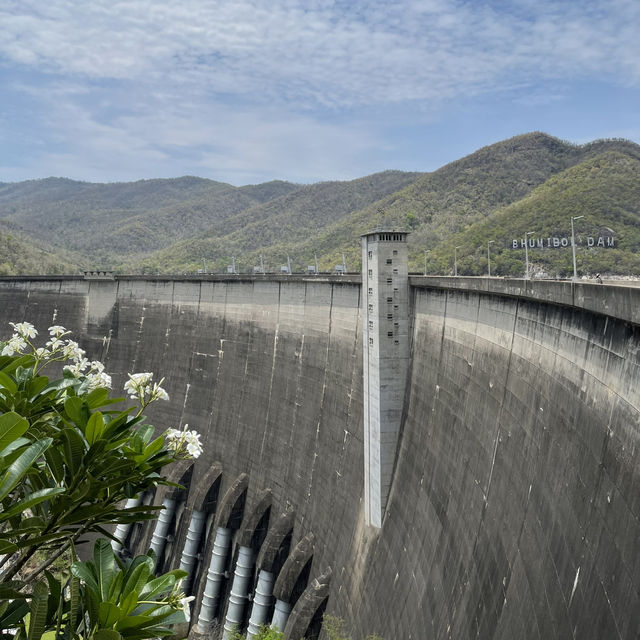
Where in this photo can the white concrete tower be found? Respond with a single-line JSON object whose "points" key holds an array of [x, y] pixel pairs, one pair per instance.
{"points": [[385, 351]]}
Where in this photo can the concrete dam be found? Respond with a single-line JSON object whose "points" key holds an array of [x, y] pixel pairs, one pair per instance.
{"points": [[513, 498]]}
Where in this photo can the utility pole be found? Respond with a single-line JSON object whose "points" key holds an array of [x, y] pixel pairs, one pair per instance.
{"points": [[344, 264], [315, 258], [489, 257], [573, 247], [425, 261], [288, 265], [526, 253], [261, 265], [455, 260]]}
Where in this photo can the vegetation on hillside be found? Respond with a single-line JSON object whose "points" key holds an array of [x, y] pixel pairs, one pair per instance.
{"points": [[605, 189], [186, 224], [19, 255]]}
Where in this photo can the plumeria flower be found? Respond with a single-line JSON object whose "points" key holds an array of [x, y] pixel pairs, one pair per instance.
{"points": [[24, 329], [57, 331], [98, 381], [140, 388], [185, 443], [16, 344]]}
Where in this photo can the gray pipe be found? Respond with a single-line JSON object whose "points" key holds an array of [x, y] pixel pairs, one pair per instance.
{"points": [[122, 530], [215, 576], [239, 591], [261, 602], [159, 537], [281, 615], [192, 543]]}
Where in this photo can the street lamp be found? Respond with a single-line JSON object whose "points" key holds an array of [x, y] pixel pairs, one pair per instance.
{"points": [[489, 256], [573, 246], [455, 260], [526, 253]]}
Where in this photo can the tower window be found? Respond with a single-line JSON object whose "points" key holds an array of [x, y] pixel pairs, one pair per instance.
{"points": [[390, 334], [370, 342], [389, 260], [389, 280], [371, 254], [370, 290], [370, 324], [389, 316], [395, 252], [370, 272], [389, 299], [370, 307], [395, 271]]}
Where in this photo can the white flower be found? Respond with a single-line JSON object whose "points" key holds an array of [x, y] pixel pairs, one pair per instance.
{"points": [[16, 344], [186, 608], [99, 381], [25, 329], [139, 388], [97, 366], [57, 331], [55, 344], [43, 353], [72, 351], [184, 443]]}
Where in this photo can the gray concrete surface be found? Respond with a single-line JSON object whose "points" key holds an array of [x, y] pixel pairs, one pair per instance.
{"points": [[513, 512]]}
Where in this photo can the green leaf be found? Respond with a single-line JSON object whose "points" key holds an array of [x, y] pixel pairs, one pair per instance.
{"points": [[56, 463], [7, 547], [106, 634], [33, 499], [8, 383], [109, 614], [14, 614], [12, 427], [94, 428], [73, 408], [85, 572], [135, 579], [38, 611], [10, 448], [103, 562], [74, 449], [22, 465], [74, 605]]}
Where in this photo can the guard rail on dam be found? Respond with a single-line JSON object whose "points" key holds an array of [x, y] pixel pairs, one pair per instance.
{"points": [[514, 505]]}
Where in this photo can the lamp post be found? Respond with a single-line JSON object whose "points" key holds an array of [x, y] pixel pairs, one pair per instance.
{"points": [[455, 260], [573, 246], [526, 253], [489, 257]]}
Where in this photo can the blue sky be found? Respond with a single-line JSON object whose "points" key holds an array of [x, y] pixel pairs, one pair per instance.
{"points": [[244, 92]]}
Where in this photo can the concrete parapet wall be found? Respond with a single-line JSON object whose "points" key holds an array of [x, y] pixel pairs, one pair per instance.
{"points": [[514, 509]]}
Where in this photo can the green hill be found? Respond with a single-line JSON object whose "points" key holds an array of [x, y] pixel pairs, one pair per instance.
{"points": [[532, 182], [19, 255], [433, 206], [107, 222], [605, 189]]}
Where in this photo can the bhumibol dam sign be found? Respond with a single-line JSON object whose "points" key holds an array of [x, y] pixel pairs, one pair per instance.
{"points": [[604, 239]]}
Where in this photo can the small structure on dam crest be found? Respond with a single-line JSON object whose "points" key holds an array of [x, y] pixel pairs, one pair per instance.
{"points": [[385, 360]]}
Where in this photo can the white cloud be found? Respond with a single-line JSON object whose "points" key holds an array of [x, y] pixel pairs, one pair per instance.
{"points": [[325, 53], [243, 89]]}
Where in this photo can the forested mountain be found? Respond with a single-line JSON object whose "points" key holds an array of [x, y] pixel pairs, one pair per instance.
{"points": [[533, 181], [604, 189]]}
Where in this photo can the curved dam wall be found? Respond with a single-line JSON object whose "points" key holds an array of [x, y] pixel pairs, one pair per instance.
{"points": [[514, 505]]}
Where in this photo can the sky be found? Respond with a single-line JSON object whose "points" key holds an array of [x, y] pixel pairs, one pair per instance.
{"points": [[246, 92]]}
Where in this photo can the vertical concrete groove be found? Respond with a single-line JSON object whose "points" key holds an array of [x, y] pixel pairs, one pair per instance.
{"points": [[323, 395]]}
